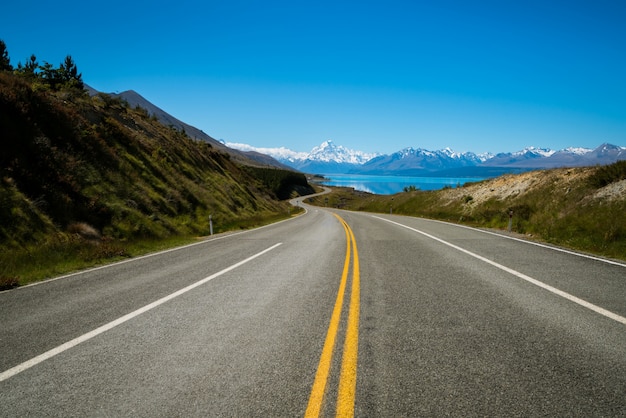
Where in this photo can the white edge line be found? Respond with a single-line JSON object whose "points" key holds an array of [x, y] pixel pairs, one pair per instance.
{"points": [[141, 257], [529, 279], [72, 343], [538, 244]]}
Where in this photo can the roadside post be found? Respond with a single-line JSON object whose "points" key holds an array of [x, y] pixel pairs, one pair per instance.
{"points": [[211, 224], [510, 220]]}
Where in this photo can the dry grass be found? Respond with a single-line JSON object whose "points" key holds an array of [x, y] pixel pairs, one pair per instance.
{"points": [[567, 207]]}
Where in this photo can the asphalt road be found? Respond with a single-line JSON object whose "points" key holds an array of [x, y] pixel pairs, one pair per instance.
{"points": [[383, 316]]}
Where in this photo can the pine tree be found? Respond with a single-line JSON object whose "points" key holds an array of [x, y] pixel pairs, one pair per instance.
{"points": [[29, 68], [68, 73], [49, 75], [5, 62]]}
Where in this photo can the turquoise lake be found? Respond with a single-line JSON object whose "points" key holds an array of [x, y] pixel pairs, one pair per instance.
{"points": [[393, 184]]}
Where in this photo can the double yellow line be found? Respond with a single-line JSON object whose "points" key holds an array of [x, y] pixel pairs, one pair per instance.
{"points": [[347, 379]]}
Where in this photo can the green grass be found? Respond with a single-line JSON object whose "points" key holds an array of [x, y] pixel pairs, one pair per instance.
{"points": [[74, 164], [20, 266]]}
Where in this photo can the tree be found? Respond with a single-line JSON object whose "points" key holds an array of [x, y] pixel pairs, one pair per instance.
{"points": [[66, 76], [69, 75], [29, 68], [5, 62], [31, 65], [49, 75]]}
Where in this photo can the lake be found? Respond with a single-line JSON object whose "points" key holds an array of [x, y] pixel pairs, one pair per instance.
{"points": [[393, 184]]}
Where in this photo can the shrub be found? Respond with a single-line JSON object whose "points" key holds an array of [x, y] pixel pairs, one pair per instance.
{"points": [[608, 174]]}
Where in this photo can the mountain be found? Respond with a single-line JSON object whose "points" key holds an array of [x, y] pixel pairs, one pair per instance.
{"points": [[326, 158], [410, 161], [329, 158], [534, 158]]}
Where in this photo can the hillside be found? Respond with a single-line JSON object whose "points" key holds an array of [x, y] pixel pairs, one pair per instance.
{"points": [[581, 208], [94, 167], [134, 99]]}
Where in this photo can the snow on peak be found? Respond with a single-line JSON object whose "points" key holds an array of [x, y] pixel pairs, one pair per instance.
{"points": [[331, 153], [446, 153], [577, 150], [327, 151], [542, 152]]}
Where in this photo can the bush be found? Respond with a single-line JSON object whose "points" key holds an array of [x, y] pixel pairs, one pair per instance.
{"points": [[608, 174]]}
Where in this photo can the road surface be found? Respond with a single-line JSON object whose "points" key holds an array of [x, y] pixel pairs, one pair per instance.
{"points": [[330, 312]]}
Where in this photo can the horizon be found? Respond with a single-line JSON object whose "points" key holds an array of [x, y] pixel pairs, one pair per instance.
{"points": [[479, 77]]}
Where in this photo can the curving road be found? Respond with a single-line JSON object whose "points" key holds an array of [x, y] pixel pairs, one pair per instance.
{"points": [[375, 315]]}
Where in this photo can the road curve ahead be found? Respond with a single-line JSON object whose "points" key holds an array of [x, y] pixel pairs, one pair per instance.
{"points": [[329, 313]]}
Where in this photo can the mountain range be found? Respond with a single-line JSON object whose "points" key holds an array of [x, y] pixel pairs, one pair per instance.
{"points": [[330, 158]]}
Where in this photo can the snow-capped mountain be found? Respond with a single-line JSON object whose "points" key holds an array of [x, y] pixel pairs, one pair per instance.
{"points": [[534, 152], [329, 158], [569, 157], [326, 158], [329, 152], [411, 161]]}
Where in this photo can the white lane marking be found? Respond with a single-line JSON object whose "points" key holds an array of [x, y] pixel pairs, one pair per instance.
{"points": [[106, 327], [538, 244], [529, 279]]}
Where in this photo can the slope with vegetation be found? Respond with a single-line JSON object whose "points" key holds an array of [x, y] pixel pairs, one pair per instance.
{"points": [[83, 178], [580, 208]]}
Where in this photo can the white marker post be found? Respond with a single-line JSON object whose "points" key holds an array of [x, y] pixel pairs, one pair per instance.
{"points": [[510, 220]]}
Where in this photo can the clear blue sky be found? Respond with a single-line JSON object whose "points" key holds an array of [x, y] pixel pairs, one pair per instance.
{"points": [[374, 76]]}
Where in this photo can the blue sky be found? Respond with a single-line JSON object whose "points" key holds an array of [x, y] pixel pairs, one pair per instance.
{"points": [[373, 76]]}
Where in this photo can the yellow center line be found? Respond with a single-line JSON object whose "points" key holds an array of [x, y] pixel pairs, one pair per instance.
{"points": [[347, 382]]}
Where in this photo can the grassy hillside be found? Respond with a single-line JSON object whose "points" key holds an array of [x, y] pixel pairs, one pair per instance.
{"points": [[77, 169], [579, 208]]}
